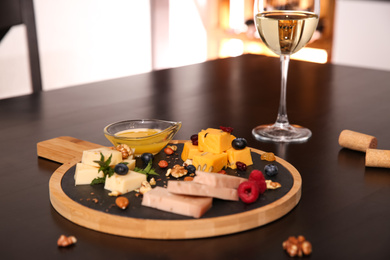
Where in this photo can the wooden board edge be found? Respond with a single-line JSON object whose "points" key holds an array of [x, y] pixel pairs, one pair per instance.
{"points": [[172, 229], [64, 149]]}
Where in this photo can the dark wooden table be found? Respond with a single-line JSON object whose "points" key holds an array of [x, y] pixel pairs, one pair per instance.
{"points": [[345, 207]]}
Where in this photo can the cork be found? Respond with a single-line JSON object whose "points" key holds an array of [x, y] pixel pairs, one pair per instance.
{"points": [[357, 141], [378, 158]]}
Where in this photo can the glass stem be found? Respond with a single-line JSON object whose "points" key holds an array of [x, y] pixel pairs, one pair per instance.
{"points": [[282, 120]]}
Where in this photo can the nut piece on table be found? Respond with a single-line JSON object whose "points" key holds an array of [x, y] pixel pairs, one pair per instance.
{"points": [[64, 241], [297, 246]]}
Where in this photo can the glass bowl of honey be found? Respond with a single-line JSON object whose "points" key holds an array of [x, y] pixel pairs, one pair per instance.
{"points": [[143, 135]]}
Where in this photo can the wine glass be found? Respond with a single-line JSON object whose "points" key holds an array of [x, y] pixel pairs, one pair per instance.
{"points": [[285, 26]]}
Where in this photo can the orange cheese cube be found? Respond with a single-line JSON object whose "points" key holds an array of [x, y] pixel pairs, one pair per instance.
{"points": [[214, 140], [243, 156], [189, 151], [210, 162]]}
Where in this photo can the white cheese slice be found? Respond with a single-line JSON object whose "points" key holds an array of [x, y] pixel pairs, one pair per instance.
{"points": [[89, 156], [124, 183], [84, 174], [130, 163]]}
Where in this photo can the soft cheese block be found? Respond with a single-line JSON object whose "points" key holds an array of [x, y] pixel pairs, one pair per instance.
{"points": [[85, 174], [124, 183], [189, 151], [243, 156], [197, 189], [214, 140], [160, 198], [89, 156], [218, 180], [130, 163], [210, 162]]}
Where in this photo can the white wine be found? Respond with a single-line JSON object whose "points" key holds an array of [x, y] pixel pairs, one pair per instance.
{"points": [[286, 32]]}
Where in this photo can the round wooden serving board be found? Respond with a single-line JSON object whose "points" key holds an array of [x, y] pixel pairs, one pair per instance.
{"points": [[91, 207]]}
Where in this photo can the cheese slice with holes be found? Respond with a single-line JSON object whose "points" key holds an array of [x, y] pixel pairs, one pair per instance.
{"points": [[189, 151], [160, 198], [214, 140], [210, 162]]}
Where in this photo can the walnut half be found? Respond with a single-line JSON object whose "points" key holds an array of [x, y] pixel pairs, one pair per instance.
{"points": [[271, 185], [125, 150], [64, 241], [297, 246], [145, 187], [177, 171]]}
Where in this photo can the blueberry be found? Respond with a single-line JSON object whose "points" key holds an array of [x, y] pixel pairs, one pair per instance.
{"points": [[191, 168], [146, 157], [271, 170], [239, 143], [121, 169]]}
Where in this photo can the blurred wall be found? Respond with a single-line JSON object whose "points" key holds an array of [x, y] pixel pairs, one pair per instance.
{"points": [[83, 41], [362, 34], [93, 40], [79, 42]]}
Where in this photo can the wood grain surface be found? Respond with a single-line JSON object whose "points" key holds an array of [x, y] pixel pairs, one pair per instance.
{"points": [[64, 149], [344, 209]]}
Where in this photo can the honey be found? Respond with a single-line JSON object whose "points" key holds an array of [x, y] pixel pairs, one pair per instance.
{"points": [[141, 132], [143, 140]]}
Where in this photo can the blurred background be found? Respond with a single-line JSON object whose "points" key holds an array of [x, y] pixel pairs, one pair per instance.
{"points": [[82, 41]]}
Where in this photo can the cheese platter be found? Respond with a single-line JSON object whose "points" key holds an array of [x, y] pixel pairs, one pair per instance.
{"points": [[90, 206]]}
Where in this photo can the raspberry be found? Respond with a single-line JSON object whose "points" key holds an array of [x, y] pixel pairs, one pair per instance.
{"points": [[248, 191], [257, 177], [226, 129]]}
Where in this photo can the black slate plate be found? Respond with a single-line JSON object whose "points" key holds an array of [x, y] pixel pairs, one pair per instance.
{"points": [[95, 197]]}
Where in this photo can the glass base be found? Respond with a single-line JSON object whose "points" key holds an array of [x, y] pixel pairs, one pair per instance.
{"points": [[281, 133]]}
